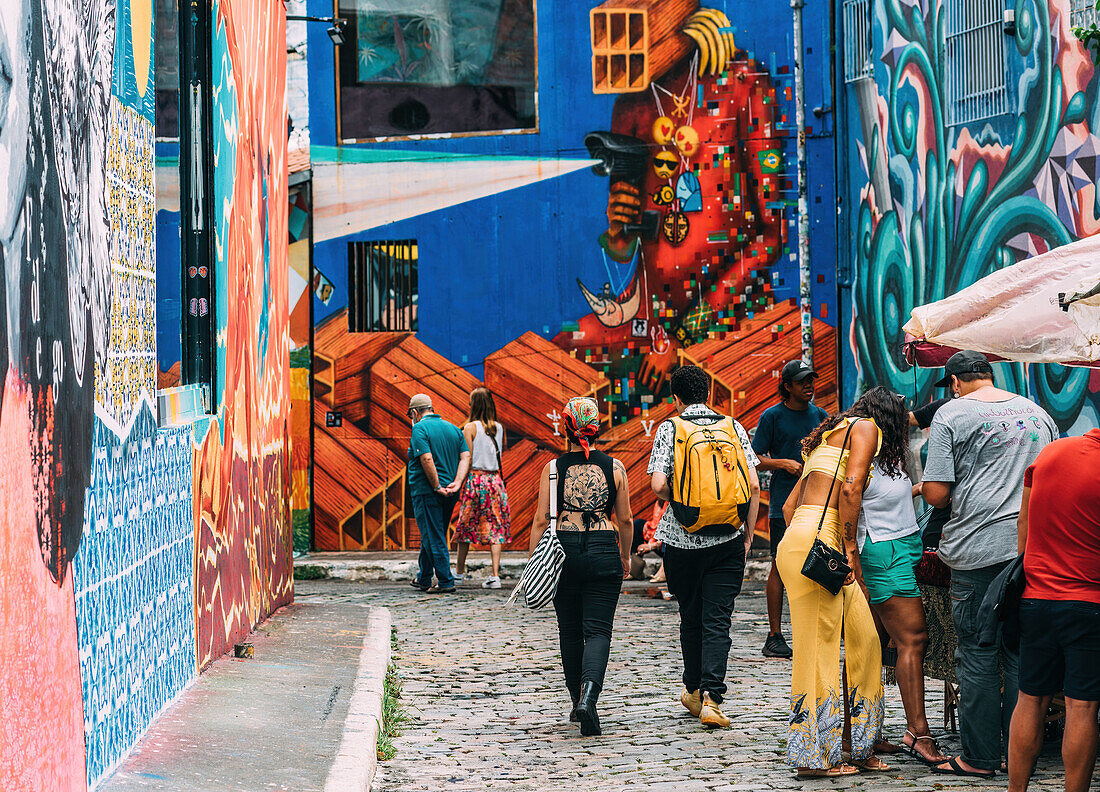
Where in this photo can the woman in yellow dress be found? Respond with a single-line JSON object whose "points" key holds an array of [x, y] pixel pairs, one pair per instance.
{"points": [[838, 457]]}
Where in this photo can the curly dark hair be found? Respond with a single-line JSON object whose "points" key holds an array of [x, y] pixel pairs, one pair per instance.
{"points": [[889, 412], [690, 384], [784, 390]]}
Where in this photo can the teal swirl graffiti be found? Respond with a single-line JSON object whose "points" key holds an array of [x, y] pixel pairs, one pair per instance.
{"points": [[902, 262]]}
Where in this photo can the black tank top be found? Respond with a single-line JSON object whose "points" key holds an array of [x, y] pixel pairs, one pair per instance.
{"points": [[605, 464]]}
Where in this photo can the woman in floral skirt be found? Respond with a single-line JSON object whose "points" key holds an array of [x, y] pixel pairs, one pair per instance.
{"points": [[483, 516]]}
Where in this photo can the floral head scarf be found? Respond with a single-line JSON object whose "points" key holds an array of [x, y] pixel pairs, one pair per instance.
{"points": [[582, 418]]}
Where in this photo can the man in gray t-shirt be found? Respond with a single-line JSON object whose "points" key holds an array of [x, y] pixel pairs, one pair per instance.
{"points": [[979, 445], [983, 449]]}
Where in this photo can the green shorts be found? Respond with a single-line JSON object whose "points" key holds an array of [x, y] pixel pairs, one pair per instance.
{"points": [[888, 567]]}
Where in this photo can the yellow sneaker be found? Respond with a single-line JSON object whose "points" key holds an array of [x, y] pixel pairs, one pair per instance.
{"points": [[692, 701], [711, 714]]}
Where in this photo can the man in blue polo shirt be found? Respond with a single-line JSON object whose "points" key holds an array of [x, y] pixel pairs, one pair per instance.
{"points": [[439, 460]]}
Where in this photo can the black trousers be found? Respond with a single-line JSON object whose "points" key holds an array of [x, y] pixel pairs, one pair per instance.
{"points": [[585, 603], [705, 583]]}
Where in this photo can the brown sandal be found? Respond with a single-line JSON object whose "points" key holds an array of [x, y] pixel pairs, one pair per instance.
{"points": [[872, 764], [832, 772]]}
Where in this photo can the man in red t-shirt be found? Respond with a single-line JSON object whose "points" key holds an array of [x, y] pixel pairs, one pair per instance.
{"points": [[1059, 534]]}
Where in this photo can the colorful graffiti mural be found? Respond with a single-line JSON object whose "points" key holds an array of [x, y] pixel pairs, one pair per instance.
{"points": [[938, 206], [122, 543], [543, 279], [241, 461], [133, 582]]}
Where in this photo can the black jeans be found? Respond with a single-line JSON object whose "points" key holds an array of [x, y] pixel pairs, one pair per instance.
{"points": [[705, 583], [585, 603]]}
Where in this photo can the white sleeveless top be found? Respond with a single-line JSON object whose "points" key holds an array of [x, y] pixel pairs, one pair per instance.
{"points": [[483, 456], [887, 512]]}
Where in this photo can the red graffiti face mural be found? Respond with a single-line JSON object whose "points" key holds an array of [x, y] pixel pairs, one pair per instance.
{"points": [[694, 215], [242, 476]]}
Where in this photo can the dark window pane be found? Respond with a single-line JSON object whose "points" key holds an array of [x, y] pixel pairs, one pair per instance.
{"points": [[436, 67], [167, 65]]}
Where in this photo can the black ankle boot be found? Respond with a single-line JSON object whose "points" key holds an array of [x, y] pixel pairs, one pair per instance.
{"points": [[574, 694], [586, 710]]}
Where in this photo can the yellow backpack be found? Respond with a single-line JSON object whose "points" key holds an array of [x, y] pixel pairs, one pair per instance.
{"points": [[710, 486]]}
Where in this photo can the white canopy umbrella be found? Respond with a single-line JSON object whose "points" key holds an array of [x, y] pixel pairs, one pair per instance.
{"points": [[1043, 310]]}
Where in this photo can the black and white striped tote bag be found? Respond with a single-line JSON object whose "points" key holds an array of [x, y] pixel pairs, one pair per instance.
{"points": [[539, 582]]}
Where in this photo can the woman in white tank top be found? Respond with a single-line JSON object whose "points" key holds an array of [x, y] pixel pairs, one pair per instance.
{"points": [[483, 515], [890, 547]]}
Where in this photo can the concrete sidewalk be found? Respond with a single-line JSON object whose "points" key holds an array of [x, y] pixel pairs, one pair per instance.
{"points": [[402, 565], [278, 721]]}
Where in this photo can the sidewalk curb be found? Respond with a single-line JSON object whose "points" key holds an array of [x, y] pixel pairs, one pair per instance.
{"points": [[357, 757], [369, 566]]}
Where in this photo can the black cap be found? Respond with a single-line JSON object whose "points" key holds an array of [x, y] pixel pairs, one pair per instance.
{"points": [[796, 371], [965, 362]]}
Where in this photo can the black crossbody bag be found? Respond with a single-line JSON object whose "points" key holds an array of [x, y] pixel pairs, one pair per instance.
{"points": [[825, 565]]}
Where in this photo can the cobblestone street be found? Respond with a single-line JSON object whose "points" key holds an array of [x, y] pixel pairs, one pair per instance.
{"points": [[483, 688]]}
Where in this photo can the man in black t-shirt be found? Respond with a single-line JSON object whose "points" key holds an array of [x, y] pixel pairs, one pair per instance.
{"points": [[922, 417], [778, 443]]}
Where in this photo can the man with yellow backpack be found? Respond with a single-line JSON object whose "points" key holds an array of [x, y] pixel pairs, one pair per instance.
{"points": [[704, 465]]}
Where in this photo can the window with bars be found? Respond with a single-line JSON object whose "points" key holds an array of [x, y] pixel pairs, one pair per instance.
{"points": [[382, 285], [1082, 13], [977, 70], [857, 40]]}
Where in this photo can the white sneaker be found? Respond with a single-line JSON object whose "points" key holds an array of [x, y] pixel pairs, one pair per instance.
{"points": [[459, 578], [491, 583]]}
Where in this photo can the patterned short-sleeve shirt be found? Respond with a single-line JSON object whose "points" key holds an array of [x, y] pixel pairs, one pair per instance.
{"points": [[669, 529]]}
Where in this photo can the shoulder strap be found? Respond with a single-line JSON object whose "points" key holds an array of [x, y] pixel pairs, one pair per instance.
{"points": [[829, 497], [553, 495]]}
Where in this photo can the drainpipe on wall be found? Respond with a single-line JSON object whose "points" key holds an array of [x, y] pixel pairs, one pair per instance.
{"points": [[805, 283]]}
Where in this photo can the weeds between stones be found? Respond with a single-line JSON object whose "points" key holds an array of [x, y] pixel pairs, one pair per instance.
{"points": [[393, 714]]}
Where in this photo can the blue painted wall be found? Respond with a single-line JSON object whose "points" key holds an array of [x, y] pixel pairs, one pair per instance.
{"points": [[493, 268]]}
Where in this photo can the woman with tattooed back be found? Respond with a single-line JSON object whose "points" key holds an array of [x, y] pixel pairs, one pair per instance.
{"points": [[826, 502], [595, 527]]}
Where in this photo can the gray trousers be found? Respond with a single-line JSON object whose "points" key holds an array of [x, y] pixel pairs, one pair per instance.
{"points": [[988, 677]]}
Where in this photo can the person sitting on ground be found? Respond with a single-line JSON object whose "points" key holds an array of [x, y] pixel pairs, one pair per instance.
{"points": [[647, 542], [483, 514], [705, 567], [825, 505], [890, 547], [1059, 535], [595, 526], [778, 443], [438, 460], [979, 446]]}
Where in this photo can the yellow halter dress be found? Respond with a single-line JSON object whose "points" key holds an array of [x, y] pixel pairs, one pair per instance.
{"points": [[818, 621]]}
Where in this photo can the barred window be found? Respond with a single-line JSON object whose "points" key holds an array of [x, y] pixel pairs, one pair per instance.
{"points": [[382, 281], [977, 70], [857, 40], [1082, 13]]}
